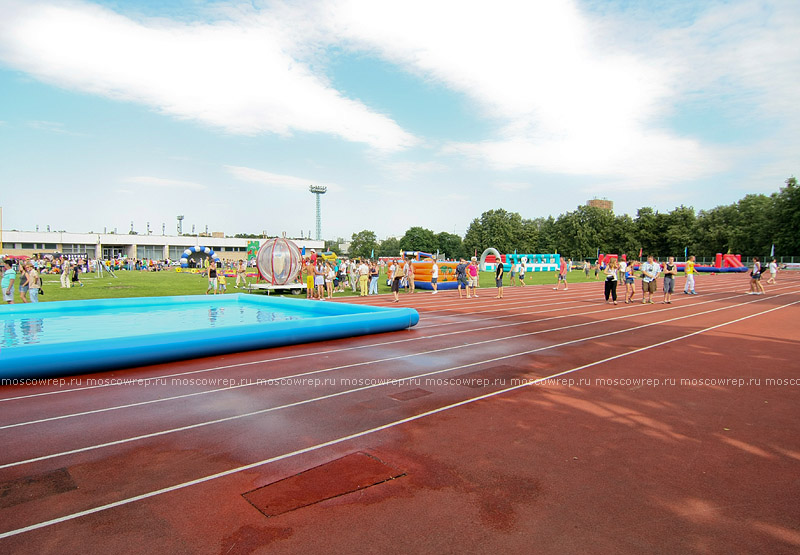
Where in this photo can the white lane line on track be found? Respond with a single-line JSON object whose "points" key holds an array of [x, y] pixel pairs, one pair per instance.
{"points": [[346, 392], [516, 314], [461, 321], [289, 357], [362, 433], [363, 363], [537, 293]]}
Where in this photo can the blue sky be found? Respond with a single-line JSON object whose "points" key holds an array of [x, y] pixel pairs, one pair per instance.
{"points": [[412, 113]]}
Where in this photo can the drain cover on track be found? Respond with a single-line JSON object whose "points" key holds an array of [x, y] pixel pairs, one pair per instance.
{"points": [[38, 486], [410, 394], [350, 473]]}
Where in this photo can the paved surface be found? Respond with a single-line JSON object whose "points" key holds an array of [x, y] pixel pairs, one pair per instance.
{"points": [[545, 422]]}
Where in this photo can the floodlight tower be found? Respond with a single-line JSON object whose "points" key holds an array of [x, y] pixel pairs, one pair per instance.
{"points": [[180, 225], [318, 190]]}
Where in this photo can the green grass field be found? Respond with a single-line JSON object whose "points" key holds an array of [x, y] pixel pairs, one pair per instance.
{"points": [[166, 283]]}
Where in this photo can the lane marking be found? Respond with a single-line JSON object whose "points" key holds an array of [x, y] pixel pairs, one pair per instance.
{"points": [[349, 391], [362, 433], [314, 353], [356, 364]]}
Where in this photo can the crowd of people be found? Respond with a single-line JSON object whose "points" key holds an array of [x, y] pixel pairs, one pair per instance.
{"points": [[615, 270], [325, 276], [26, 276]]}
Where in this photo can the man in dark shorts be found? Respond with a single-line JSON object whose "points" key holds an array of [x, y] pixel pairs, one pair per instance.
{"points": [[461, 277], [670, 270], [498, 279]]}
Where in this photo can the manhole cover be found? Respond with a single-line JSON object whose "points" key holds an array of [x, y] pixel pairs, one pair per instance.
{"points": [[410, 394], [339, 477]]}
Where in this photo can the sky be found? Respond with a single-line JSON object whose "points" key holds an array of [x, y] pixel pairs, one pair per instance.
{"points": [[116, 113]]}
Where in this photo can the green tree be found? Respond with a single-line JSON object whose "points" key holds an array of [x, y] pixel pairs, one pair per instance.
{"points": [[419, 239], [450, 245], [680, 230], [362, 244], [787, 219], [547, 235], [529, 237], [496, 228], [650, 227], [388, 247], [623, 236], [583, 231], [752, 232], [713, 231]]}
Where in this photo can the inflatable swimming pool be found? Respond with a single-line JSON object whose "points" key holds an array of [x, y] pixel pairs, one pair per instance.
{"points": [[47, 339]]}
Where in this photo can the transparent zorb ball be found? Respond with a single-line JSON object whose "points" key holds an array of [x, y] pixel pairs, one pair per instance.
{"points": [[279, 261]]}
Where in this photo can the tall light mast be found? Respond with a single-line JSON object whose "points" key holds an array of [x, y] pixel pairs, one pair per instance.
{"points": [[318, 190]]}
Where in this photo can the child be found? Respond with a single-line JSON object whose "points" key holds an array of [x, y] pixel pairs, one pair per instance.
{"points": [[630, 287], [222, 283], [76, 278]]}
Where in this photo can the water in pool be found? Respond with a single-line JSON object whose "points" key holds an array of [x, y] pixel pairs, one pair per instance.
{"points": [[19, 329]]}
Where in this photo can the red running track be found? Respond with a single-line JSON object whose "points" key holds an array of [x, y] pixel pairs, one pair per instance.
{"points": [[545, 422]]}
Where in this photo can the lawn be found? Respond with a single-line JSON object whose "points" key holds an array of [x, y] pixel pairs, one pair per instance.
{"points": [[170, 282]]}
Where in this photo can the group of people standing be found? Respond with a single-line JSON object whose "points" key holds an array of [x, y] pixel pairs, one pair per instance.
{"points": [[27, 277], [615, 270], [30, 281], [467, 277], [325, 277]]}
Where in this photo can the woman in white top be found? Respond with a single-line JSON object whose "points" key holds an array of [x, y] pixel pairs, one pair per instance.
{"points": [[611, 271], [756, 287]]}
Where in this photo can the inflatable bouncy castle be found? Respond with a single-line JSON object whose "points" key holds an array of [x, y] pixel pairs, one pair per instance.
{"points": [[532, 262], [447, 274]]}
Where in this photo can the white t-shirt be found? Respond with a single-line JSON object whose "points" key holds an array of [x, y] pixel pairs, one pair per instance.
{"points": [[653, 269], [435, 270], [773, 268]]}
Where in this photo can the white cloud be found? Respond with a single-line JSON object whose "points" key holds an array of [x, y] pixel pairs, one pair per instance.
{"points": [[568, 91], [262, 177], [236, 74], [164, 183], [574, 93]]}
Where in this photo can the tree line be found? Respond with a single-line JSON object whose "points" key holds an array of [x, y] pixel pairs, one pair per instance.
{"points": [[749, 226]]}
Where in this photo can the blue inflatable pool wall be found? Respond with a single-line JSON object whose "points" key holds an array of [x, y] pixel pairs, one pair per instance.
{"points": [[317, 321]]}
